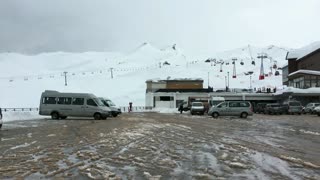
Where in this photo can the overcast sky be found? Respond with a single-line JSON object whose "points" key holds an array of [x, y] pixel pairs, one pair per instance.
{"points": [[34, 26]]}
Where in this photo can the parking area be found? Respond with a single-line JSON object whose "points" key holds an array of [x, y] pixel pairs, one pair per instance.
{"points": [[163, 146]]}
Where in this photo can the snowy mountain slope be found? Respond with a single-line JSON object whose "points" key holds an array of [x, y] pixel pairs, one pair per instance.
{"points": [[23, 77]]}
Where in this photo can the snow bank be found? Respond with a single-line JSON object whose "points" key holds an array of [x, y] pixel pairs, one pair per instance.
{"points": [[296, 90], [18, 116]]}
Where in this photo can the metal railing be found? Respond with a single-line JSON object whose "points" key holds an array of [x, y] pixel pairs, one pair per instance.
{"points": [[123, 109], [18, 109], [135, 108]]}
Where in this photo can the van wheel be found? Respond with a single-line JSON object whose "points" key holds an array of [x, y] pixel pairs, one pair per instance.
{"points": [[215, 115], [63, 117], [54, 115], [244, 115], [97, 116], [114, 114]]}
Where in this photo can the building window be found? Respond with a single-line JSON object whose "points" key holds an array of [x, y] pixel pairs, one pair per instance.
{"points": [[166, 98]]}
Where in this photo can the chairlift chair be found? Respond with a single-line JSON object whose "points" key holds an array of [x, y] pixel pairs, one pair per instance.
{"points": [[253, 63], [277, 73]]}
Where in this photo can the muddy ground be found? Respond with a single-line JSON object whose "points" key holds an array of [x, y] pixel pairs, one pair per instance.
{"points": [[162, 146]]}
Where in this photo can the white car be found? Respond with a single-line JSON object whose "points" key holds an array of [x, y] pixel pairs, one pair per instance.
{"points": [[197, 108], [317, 110]]}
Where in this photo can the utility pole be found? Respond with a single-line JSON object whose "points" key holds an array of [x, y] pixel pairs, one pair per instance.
{"points": [[228, 80], [65, 78], [262, 56], [208, 80], [111, 70], [225, 81], [250, 83]]}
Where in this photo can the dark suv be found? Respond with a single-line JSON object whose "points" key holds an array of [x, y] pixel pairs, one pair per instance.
{"points": [[260, 107], [274, 108]]}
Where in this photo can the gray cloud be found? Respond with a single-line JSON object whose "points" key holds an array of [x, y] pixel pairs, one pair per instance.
{"points": [[35, 26]]}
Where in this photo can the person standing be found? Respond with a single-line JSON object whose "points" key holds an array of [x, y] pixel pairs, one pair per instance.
{"points": [[180, 108]]}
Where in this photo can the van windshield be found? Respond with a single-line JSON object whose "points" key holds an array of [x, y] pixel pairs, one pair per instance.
{"points": [[294, 104], [99, 102], [197, 104], [110, 103]]}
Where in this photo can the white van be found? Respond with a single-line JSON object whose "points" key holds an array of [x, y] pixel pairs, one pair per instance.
{"points": [[61, 105], [115, 111]]}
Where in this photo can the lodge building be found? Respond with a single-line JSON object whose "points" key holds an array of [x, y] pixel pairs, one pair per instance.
{"points": [[303, 70]]}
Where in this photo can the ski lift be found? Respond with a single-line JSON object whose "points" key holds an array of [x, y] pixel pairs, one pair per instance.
{"points": [[242, 63], [277, 73], [166, 63]]}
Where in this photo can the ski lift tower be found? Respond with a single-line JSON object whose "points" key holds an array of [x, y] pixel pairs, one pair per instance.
{"points": [[234, 67], [262, 56]]}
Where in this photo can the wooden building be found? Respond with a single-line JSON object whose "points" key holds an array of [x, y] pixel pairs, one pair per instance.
{"points": [[304, 67]]}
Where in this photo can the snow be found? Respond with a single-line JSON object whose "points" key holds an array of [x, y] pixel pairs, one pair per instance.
{"points": [[14, 116], [305, 72], [298, 91], [304, 51], [24, 77]]}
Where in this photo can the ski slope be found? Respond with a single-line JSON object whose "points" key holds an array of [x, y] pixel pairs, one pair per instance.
{"points": [[24, 77]]}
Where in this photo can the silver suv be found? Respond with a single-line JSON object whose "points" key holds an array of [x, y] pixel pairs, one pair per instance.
{"points": [[197, 108], [232, 108]]}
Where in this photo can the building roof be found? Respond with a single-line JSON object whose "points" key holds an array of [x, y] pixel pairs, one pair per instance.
{"points": [[175, 79], [302, 71], [185, 90], [298, 54]]}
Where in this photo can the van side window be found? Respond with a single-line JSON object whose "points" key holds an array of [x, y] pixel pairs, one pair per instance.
{"points": [[90, 102], [233, 104], [64, 100], [223, 105], [61, 100], [78, 101], [244, 104], [49, 100], [67, 100]]}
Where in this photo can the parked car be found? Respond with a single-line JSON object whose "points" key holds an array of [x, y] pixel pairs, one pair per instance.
{"points": [[292, 107], [232, 108], [260, 107], [317, 110], [274, 108], [197, 108], [115, 111], [309, 108]]}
